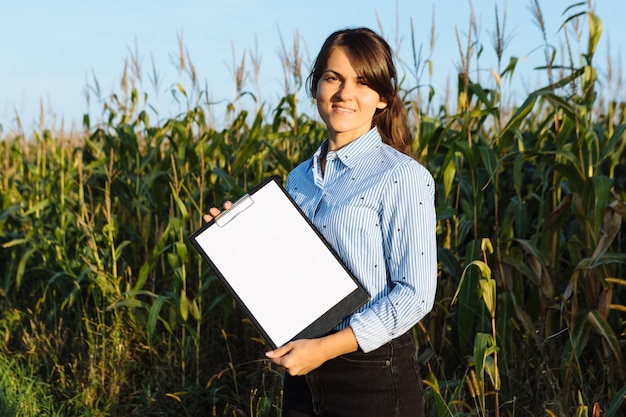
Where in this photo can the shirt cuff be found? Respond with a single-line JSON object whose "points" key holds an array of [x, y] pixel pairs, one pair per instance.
{"points": [[369, 331]]}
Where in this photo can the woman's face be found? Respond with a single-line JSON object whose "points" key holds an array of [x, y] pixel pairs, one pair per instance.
{"points": [[345, 102]]}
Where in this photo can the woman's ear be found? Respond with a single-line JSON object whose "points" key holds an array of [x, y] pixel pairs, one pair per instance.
{"points": [[381, 104]]}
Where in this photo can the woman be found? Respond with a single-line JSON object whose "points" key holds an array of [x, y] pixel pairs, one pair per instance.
{"points": [[375, 206]]}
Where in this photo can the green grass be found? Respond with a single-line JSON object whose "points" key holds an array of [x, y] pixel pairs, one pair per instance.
{"points": [[23, 394]]}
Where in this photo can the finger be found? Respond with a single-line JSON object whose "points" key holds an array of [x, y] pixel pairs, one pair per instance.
{"points": [[279, 352], [214, 211], [227, 204], [279, 361], [207, 218]]}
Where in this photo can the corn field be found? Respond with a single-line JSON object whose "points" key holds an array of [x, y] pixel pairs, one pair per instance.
{"points": [[105, 310]]}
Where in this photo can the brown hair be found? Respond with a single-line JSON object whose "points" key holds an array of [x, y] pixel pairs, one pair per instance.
{"points": [[371, 58]]}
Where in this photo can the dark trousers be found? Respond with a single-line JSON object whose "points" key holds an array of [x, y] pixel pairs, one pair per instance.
{"points": [[382, 383]]}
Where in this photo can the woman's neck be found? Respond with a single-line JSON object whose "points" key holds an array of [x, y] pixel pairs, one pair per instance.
{"points": [[338, 141]]}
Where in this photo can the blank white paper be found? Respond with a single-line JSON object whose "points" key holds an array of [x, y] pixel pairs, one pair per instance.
{"points": [[276, 263]]}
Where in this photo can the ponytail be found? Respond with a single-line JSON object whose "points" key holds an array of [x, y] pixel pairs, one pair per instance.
{"points": [[393, 125]]}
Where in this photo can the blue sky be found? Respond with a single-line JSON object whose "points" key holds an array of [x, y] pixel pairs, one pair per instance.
{"points": [[50, 51]]}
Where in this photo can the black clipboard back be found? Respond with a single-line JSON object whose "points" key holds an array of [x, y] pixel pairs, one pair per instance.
{"points": [[283, 274]]}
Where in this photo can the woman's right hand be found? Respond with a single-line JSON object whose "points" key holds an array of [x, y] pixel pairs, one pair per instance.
{"points": [[214, 211]]}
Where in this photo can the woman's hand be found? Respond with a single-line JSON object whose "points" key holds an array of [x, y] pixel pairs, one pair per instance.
{"points": [[214, 211], [302, 356]]}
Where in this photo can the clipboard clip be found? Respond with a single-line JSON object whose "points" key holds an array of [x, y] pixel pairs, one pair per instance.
{"points": [[236, 209]]}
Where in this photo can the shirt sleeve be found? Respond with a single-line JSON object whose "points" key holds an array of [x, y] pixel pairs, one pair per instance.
{"points": [[408, 223]]}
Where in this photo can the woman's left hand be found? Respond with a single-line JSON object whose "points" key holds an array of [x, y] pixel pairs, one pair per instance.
{"points": [[302, 356], [298, 357]]}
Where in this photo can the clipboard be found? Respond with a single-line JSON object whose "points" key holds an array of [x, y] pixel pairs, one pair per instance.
{"points": [[279, 269]]}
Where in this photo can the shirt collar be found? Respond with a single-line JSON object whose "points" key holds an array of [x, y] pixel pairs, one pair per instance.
{"points": [[355, 150]]}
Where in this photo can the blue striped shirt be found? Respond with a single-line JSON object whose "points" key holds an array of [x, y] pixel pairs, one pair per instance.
{"points": [[375, 206]]}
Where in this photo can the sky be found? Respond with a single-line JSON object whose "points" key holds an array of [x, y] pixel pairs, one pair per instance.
{"points": [[53, 52]]}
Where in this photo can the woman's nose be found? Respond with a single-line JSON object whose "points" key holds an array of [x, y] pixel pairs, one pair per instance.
{"points": [[345, 91]]}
